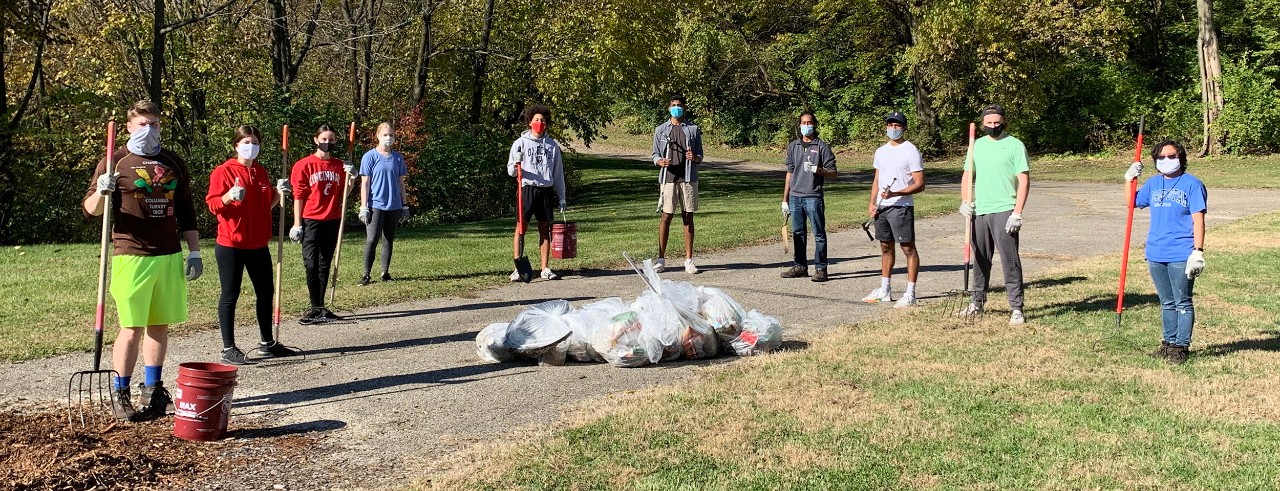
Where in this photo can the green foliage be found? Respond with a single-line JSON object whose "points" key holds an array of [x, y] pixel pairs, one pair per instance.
{"points": [[1251, 116]]}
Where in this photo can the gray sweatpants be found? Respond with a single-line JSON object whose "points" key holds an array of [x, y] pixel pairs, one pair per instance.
{"points": [[988, 238]]}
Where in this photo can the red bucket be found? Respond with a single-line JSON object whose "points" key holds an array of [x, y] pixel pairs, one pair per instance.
{"points": [[202, 401], [564, 240]]}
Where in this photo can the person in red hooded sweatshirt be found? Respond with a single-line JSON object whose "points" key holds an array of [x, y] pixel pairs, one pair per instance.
{"points": [[241, 195]]}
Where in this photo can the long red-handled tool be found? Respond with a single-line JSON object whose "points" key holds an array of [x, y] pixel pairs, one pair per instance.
{"points": [[342, 220], [275, 304], [1131, 190], [523, 269], [90, 391]]}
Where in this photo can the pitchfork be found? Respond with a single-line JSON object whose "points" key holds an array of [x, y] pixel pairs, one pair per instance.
{"points": [[89, 392], [962, 298]]}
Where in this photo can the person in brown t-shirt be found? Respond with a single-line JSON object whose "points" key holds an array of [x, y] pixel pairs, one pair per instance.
{"points": [[151, 204]]}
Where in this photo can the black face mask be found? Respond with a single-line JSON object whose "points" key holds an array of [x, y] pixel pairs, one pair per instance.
{"points": [[995, 131], [325, 147]]}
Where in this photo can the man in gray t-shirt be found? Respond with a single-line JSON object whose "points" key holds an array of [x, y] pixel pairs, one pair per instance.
{"points": [[810, 162], [677, 151]]}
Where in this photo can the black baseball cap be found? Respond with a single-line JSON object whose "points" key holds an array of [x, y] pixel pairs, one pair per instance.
{"points": [[896, 117], [992, 109]]}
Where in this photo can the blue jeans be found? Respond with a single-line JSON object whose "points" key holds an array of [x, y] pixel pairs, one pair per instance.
{"points": [[1177, 315], [816, 212]]}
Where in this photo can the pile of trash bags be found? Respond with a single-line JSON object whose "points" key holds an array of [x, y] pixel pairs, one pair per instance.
{"points": [[669, 321]]}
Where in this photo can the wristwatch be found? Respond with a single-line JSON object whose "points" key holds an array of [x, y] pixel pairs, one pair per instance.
{"points": [[1201, 249]]}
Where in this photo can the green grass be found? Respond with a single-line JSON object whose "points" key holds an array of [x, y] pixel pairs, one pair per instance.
{"points": [[915, 401], [48, 304], [1105, 168]]}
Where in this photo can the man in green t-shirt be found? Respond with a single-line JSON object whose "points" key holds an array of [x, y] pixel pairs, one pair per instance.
{"points": [[993, 191]]}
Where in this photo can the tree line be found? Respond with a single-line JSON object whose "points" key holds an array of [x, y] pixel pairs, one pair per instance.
{"points": [[454, 75]]}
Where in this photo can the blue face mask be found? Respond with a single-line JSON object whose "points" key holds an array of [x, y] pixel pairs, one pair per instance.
{"points": [[893, 133], [145, 141], [676, 111], [806, 129]]}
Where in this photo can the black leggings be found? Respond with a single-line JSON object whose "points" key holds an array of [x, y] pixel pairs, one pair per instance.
{"points": [[382, 225], [319, 238], [232, 264]]}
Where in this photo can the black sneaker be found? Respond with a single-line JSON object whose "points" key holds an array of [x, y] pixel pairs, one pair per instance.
{"points": [[233, 356], [1178, 354], [275, 350], [122, 405], [386, 276], [819, 276], [364, 280], [312, 316], [329, 315], [795, 272], [155, 402], [1161, 352]]}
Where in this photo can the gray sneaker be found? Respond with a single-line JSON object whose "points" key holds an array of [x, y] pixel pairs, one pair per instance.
{"points": [[795, 272], [233, 356], [122, 405]]}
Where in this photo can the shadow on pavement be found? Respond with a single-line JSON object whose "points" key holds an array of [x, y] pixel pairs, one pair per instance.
{"points": [[455, 308], [376, 386], [291, 429]]}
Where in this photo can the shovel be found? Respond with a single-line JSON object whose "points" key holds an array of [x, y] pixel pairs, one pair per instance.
{"points": [[89, 392], [523, 268]]}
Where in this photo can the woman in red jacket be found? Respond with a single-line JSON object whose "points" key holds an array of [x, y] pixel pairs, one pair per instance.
{"points": [[241, 196]]}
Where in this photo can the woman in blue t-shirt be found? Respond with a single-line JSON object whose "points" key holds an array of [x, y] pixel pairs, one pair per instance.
{"points": [[383, 202], [1175, 242]]}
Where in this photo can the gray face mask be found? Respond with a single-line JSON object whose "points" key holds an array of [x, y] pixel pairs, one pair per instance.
{"points": [[893, 133]]}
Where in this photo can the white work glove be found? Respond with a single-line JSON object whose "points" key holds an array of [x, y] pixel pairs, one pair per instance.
{"points": [[1195, 264], [349, 168], [966, 209], [107, 183], [195, 266], [364, 215], [1013, 224], [1134, 171], [295, 233], [562, 205], [236, 193], [810, 167], [283, 186], [786, 209], [404, 214]]}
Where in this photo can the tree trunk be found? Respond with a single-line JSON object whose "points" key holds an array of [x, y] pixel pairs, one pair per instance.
{"points": [[281, 50], [482, 58], [424, 56], [155, 81], [1210, 78]]}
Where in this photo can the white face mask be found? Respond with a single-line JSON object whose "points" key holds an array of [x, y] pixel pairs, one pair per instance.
{"points": [[893, 133], [1168, 166], [145, 141], [247, 151], [386, 140]]}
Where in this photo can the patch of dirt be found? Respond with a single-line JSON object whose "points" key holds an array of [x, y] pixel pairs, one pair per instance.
{"points": [[40, 451]]}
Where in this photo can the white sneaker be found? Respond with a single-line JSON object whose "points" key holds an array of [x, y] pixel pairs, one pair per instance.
{"points": [[659, 264], [548, 275], [972, 310], [907, 300], [1016, 318], [689, 267], [515, 276], [879, 295]]}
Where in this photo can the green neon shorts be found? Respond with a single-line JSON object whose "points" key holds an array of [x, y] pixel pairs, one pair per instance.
{"points": [[149, 290]]}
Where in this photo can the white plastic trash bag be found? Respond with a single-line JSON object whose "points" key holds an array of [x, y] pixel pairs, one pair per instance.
{"points": [[621, 343], [538, 331], [491, 343], [660, 325], [721, 311], [584, 322], [760, 334], [697, 338]]}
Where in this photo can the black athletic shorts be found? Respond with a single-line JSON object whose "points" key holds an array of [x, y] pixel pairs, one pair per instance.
{"points": [[896, 224], [539, 202]]}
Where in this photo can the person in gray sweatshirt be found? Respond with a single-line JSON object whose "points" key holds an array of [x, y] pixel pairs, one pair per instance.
{"points": [[677, 151], [542, 182]]}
